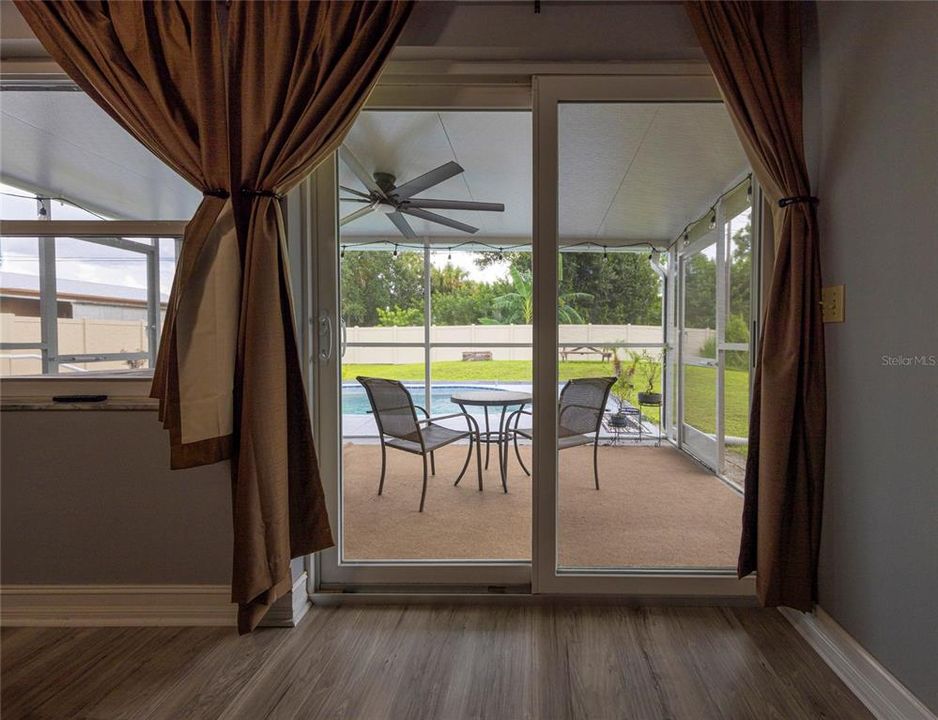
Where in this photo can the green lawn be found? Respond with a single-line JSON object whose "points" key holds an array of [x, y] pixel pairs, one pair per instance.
{"points": [[699, 402]]}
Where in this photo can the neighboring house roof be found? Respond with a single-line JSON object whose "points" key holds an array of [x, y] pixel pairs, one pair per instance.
{"points": [[22, 284]]}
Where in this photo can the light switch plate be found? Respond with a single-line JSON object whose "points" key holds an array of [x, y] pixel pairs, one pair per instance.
{"points": [[832, 304]]}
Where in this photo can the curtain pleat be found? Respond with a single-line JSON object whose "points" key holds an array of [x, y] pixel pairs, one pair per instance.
{"points": [[242, 99], [754, 50]]}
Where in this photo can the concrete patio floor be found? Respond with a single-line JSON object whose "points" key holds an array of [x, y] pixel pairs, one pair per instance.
{"points": [[655, 508]]}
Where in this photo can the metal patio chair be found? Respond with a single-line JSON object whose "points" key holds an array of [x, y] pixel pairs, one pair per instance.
{"points": [[399, 428], [579, 417]]}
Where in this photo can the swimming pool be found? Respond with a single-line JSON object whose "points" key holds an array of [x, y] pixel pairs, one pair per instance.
{"points": [[355, 401]]}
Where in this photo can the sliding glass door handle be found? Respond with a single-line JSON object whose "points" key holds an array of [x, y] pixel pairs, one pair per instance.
{"points": [[325, 337]]}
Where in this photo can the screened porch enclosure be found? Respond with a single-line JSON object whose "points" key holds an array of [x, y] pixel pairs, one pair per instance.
{"points": [[654, 292]]}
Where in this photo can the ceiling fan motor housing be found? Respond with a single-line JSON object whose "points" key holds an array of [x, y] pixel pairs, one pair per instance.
{"points": [[385, 181]]}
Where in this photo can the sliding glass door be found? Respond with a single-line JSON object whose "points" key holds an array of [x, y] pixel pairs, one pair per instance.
{"points": [[424, 300], [535, 291], [623, 167]]}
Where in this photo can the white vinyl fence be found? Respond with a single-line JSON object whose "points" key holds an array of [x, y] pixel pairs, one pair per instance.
{"points": [[487, 338], [76, 337]]}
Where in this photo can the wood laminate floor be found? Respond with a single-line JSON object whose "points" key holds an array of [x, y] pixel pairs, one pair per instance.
{"points": [[421, 661]]}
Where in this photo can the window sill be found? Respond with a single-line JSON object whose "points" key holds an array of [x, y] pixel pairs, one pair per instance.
{"points": [[45, 403], [123, 391]]}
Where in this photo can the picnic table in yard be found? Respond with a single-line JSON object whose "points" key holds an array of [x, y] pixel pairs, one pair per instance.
{"points": [[606, 355]]}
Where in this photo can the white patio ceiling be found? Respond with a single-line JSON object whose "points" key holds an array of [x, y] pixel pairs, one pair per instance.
{"points": [[629, 172], [62, 143]]}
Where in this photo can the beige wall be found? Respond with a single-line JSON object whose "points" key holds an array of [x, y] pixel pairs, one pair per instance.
{"points": [[482, 337], [871, 104]]}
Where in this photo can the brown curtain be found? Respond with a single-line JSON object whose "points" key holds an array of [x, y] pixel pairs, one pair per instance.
{"points": [[228, 375], [156, 96], [754, 49]]}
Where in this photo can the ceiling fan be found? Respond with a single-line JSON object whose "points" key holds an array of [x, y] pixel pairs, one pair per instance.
{"points": [[396, 201]]}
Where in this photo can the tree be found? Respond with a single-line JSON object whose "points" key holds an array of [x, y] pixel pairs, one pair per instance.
{"points": [[376, 279], [700, 292], [616, 289], [517, 306], [741, 271], [625, 289], [400, 317]]}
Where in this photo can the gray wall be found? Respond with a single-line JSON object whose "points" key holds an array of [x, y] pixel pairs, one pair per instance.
{"points": [[562, 31], [871, 109], [88, 498]]}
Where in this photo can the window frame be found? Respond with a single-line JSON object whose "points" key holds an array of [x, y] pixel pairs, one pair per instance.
{"points": [[110, 233]]}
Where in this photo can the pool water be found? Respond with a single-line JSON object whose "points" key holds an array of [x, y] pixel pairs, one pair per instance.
{"points": [[355, 401]]}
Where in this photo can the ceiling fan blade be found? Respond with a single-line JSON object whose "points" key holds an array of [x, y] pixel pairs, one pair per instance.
{"points": [[366, 196], [356, 200], [427, 180], [348, 157], [433, 217], [455, 205], [355, 215], [400, 222]]}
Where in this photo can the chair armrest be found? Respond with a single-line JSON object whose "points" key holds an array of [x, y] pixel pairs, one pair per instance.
{"points": [[470, 421], [423, 410], [439, 417]]}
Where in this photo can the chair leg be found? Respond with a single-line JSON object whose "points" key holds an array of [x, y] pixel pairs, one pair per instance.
{"points": [[423, 494], [383, 463], [488, 437], [595, 462], [479, 461], [432, 464], [465, 465], [518, 455], [504, 467]]}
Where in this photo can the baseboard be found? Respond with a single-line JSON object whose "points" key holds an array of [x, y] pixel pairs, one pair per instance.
{"points": [[116, 605], [884, 696], [290, 609]]}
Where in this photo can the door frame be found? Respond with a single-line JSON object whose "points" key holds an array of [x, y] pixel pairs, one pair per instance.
{"points": [[685, 431], [549, 92]]}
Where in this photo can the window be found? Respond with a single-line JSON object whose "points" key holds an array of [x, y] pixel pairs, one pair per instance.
{"points": [[91, 223]]}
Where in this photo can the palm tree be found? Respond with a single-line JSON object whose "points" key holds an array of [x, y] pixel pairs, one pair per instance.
{"points": [[518, 306]]}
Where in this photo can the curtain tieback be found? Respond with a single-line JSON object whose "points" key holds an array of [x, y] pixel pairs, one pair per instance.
{"points": [[223, 194], [785, 202], [262, 193]]}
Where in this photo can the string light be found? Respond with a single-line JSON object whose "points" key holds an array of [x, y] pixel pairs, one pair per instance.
{"points": [[42, 212], [500, 250]]}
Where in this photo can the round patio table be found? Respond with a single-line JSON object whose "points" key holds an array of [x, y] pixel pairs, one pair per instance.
{"points": [[486, 399]]}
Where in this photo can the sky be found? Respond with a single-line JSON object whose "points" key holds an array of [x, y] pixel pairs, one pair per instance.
{"points": [[75, 259]]}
